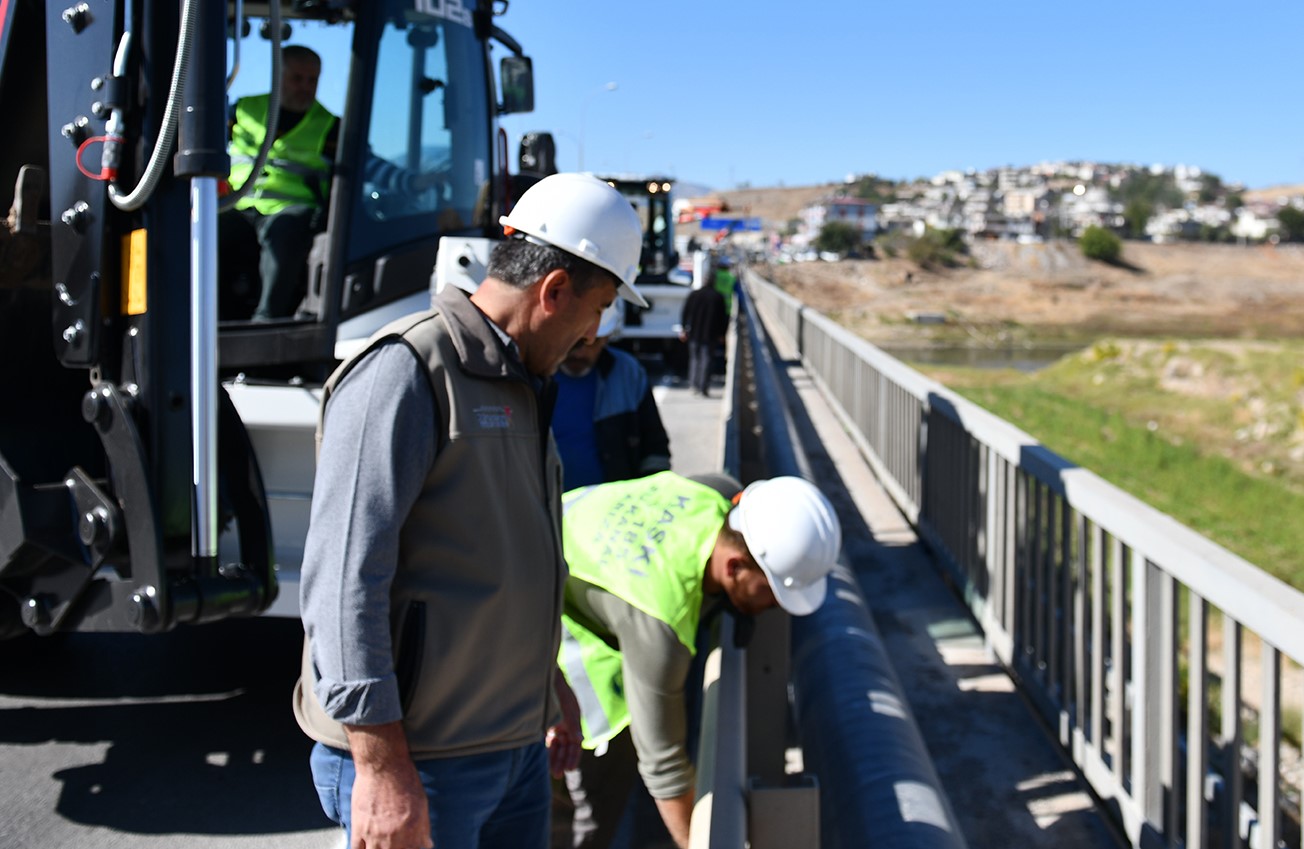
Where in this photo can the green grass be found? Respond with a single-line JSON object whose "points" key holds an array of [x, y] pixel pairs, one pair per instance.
{"points": [[1183, 454]]}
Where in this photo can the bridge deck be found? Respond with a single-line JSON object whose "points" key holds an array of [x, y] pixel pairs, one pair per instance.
{"points": [[1007, 781]]}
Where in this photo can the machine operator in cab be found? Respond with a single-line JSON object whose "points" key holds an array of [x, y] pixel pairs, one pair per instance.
{"points": [[433, 568], [266, 237], [645, 556]]}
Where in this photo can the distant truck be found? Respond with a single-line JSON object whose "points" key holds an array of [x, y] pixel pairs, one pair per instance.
{"points": [[661, 281]]}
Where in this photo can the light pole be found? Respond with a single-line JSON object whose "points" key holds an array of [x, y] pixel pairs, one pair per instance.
{"points": [[584, 107]]}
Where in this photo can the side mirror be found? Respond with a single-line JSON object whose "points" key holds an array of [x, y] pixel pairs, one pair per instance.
{"points": [[517, 77], [538, 154]]}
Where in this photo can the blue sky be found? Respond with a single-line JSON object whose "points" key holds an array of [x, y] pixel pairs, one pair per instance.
{"points": [[786, 93], [779, 92]]}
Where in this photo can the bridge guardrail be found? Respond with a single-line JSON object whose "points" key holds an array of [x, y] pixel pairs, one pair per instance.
{"points": [[876, 782], [1078, 587]]}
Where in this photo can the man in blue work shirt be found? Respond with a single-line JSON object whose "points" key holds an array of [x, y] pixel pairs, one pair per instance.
{"points": [[606, 423]]}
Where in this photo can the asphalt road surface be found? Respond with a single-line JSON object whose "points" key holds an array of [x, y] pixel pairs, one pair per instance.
{"points": [[183, 740]]}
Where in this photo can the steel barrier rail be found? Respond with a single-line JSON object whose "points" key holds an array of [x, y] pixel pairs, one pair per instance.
{"points": [[719, 819], [720, 809], [1079, 588], [877, 783]]}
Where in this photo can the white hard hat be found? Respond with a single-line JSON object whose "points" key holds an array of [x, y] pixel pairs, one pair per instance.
{"points": [[611, 318], [792, 531], [584, 216]]}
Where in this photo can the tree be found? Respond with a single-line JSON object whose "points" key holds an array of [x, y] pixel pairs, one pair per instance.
{"points": [[874, 189], [1156, 189], [1099, 243], [839, 237], [937, 247], [1135, 217], [1211, 188], [1291, 221]]}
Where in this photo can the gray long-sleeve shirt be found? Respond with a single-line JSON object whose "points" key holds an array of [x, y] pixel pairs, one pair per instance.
{"points": [[377, 449], [655, 664]]}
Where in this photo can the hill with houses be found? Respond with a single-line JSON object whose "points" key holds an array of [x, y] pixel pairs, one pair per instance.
{"points": [[1154, 203]]}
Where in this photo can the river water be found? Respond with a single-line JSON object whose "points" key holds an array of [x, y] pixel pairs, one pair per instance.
{"points": [[1024, 359]]}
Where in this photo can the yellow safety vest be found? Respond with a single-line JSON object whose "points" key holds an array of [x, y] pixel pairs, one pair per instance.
{"points": [[645, 541], [296, 171]]}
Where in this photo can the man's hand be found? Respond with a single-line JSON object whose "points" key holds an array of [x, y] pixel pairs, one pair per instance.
{"points": [[564, 739], [423, 180], [677, 814], [390, 810]]}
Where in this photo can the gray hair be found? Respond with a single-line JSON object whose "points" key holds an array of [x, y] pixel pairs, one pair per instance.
{"points": [[520, 263]]}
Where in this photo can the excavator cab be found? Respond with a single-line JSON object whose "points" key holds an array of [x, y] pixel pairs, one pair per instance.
{"points": [[132, 491]]}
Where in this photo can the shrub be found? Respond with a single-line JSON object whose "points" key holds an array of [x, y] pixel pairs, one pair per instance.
{"points": [[838, 236], [937, 248], [1099, 243]]}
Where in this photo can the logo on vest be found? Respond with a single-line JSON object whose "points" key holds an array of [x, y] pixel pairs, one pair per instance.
{"points": [[494, 417]]}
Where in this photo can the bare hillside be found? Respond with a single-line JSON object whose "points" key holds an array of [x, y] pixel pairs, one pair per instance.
{"points": [[1051, 289]]}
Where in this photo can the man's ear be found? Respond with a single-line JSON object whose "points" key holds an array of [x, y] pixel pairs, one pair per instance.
{"points": [[552, 288]]}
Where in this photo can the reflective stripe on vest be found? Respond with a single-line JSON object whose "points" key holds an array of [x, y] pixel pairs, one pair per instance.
{"points": [[580, 653], [647, 542], [296, 169]]}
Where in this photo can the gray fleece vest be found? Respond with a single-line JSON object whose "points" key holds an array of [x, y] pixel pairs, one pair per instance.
{"points": [[475, 604]]}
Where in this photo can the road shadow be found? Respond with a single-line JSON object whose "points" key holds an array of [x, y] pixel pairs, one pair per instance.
{"points": [[199, 732]]}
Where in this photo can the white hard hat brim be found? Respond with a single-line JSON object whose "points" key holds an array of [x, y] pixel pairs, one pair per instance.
{"points": [[799, 601], [629, 293], [610, 319]]}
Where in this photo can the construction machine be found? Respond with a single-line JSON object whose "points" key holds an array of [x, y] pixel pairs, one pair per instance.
{"points": [[655, 329], [156, 462]]}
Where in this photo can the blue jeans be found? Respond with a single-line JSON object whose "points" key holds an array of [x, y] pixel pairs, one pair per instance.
{"points": [[699, 366], [499, 800]]}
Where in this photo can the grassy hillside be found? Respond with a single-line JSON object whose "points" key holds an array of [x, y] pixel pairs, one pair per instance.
{"points": [[1211, 433]]}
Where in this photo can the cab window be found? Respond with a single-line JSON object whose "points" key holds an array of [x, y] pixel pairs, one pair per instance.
{"points": [[428, 140]]}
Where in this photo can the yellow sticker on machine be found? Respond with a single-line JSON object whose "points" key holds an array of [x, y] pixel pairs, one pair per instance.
{"points": [[133, 273]]}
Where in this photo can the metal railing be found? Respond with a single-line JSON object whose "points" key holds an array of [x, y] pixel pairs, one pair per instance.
{"points": [[1106, 611], [866, 758]]}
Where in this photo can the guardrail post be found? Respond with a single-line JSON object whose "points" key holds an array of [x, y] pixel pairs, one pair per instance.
{"points": [[785, 816], [767, 697]]}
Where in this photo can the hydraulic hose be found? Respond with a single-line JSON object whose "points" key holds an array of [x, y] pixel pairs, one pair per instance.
{"points": [[149, 181]]}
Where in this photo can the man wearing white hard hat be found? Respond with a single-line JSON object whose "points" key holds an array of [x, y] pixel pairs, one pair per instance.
{"points": [[607, 424], [645, 557], [433, 568]]}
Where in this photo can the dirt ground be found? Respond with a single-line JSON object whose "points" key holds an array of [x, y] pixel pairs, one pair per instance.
{"points": [[1008, 293]]}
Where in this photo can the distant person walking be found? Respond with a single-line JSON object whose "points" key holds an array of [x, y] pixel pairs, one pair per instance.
{"points": [[705, 320]]}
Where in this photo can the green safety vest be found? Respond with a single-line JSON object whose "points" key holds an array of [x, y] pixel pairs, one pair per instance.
{"points": [[724, 284], [645, 541], [296, 169]]}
